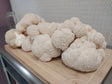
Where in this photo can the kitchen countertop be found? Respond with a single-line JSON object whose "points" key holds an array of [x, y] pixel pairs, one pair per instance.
{"points": [[30, 77]]}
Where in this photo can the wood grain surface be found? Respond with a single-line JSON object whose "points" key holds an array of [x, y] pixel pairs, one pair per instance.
{"points": [[55, 72]]}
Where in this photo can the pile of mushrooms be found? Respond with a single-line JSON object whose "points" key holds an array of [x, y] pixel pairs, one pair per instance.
{"points": [[80, 46]]}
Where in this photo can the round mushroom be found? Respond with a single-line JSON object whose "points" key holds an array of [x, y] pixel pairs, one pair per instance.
{"points": [[14, 38], [42, 48], [62, 38]]}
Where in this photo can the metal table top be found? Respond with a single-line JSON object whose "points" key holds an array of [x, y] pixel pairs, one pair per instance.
{"points": [[22, 70]]}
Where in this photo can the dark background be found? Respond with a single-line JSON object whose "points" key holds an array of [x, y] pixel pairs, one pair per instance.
{"points": [[4, 8]]}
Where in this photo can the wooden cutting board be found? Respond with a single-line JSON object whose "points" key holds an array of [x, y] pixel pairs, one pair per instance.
{"points": [[55, 72]]}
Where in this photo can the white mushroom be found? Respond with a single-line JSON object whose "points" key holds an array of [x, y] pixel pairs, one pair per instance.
{"points": [[62, 38], [80, 30], [42, 48], [83, 56], [47, 28], [32, 31], [97, 38], [26, 44], [14, 38], [27, 20]]}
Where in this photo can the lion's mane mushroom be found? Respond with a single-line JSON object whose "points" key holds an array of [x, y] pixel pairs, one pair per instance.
{"points": [[82, 55], [26, 44], [62, 38], [47, 28], [42, 48], [27, 20], [32, 31], [14, 38]]}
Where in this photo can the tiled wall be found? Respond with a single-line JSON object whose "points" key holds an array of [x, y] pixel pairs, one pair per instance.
{"points": [[97, 13]]}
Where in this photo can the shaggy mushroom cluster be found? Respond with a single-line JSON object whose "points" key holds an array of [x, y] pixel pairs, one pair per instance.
{"points": [[80, 46]]}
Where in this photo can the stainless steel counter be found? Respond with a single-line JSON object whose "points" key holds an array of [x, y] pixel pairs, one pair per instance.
{"points": [[23, 71]]}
